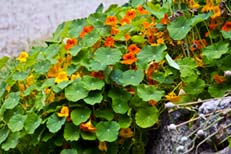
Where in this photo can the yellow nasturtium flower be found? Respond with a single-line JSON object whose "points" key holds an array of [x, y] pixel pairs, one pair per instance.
{"points": [[62, 76], [64, 112], [22, 57], [172, 97]]}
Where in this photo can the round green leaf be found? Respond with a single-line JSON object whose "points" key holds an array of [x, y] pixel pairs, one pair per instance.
{"points": [[91, 83], [16, 122], [90, 39], [200, 18], [12, 100], [151, 53], [215, 50], [96, 66], [124, 121], [120, 105], [32, 122], [71, 132], [42, 67], [80, 115], [147, 116], [4, 134], [51, 51], [195, 88], [179, 28], [107, 131], [138, 39], [88, 136], [69, 151], [149, 92], [226, 35], [171, 62], [11, 142], [107, 114], [54, 123], [20, 76], [75, 91], [107, 56], [131, 77], [94, 97]]}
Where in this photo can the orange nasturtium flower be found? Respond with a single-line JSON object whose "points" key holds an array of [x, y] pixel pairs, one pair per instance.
{"points": [[111, 20], [193, 4], [114, 30], [129, 58], [125, 21], [70, 42], [219, 79], [86, 30], [133, 49], [172, 97], [141, 10], [62, 76], [64, 112], [209, 6], [217, 12], [87, 127], [23, 57], [54, 70], [102, 146], [130, 14], [109, 42], [227, 26], [165, 20], [126, 133]]}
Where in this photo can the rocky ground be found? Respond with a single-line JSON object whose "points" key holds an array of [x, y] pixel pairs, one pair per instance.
{"points": [[22, 22]]}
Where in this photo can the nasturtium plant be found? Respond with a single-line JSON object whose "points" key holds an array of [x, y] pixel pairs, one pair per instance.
{"points": [[101, 83]]}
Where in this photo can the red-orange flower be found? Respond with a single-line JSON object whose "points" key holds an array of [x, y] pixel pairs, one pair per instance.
{"points": [[131, 14], [109, 42], [133, 49], [141, 10], [111, 20], [87, 127], [97, 75], [129, 58], [125, 21], [114, 30], [219, 79], [127, 37], [165, 20], [198, 44], [86, 30], [227, 26], [69, 43]]}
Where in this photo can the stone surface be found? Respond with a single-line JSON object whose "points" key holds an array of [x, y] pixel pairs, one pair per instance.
{"points": [[206, 134], [23, 21]]}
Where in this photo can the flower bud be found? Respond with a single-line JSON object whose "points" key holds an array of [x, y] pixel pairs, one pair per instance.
{"points": [[184, 139], [169, 105], [172, 127], [65, 40], [202, 116], [200, 133], [180, 149], [227, 73]]}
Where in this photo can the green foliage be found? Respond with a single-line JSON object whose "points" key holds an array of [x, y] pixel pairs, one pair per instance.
{"points": [[101, 82]]}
